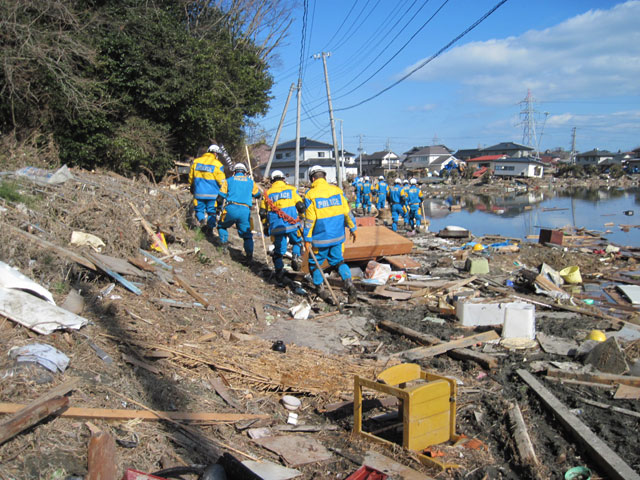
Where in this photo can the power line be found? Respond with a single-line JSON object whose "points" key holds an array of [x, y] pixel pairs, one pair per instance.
{"points": [[341, 25], [397, 52], [352, 31], [434, 56]]}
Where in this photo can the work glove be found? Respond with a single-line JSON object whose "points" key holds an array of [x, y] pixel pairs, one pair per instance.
{"points": [[353, 235]]}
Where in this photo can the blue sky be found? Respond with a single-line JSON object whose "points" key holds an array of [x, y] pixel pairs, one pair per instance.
{"points": [[579, 58]]}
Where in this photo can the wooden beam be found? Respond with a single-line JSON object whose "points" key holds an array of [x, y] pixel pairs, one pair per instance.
{"points": [[116, 276], [149, 230], [612, 465], [29, 416], [199, 298], [414, 335], [606, 378], [487, 361], [613, 408], [424, 352], [120, 414], [521, 436]]}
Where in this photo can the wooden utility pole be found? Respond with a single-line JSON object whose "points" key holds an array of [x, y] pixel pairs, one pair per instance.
{"points": [[324, 56], [297, 160], [275, 140]]}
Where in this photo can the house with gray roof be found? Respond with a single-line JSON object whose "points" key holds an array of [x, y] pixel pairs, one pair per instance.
{"points": [[518, 167], [594, 157], [378, 162], [420, 158]]}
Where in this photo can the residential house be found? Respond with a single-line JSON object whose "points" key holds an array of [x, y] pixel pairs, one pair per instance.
{"points": [[422, 158], [467, 153], [378, 163], [518, 167], [485, 161], [312, 152], [509, 149], [594, 157]]}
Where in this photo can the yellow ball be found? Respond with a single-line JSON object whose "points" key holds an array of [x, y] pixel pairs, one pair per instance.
{"points": [[597, 335]]}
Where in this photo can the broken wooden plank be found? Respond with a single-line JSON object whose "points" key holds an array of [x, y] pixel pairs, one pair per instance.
{"points": [[374, 242], [483, 359], [62, 251], [149, 230], [177, 304], [385, 464], [579, 382], [383, 291], [259, 311], [155, 259], [29, 416], [625, 392], [424, 352], [402, 262], [613, 466], [606, 378], [414, 335], [101, 457], [521, 436], [121, 414], [222, 390], [199, 298], [118, 265], [449, 287], [613, 408], [139, 363]]}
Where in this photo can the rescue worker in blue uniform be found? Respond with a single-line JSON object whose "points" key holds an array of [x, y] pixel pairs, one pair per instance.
{"points": [[381, 190], [280, 208], [414, 201], [396, 201], [327, 214], [366, 195], [405, 206], [237, 208], [357, 183], [206, 181]]}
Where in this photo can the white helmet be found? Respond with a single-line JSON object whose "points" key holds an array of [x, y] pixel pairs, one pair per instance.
{"points": [[213, 148], [414, 181], [397, 180], [276, 174], [316, 169], [240, 167], [381, 177], [366, 179], [405, 181]]}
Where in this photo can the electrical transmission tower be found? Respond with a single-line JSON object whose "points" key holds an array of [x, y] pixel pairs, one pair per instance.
{"points": [[528, 121]]}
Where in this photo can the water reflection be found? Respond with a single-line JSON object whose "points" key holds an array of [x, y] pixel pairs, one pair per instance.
{"points": [[520, 212]]}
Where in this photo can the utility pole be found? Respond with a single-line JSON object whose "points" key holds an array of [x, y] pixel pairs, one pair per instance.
{"points": [[324, 56], [360, 149], [275, 140], [296, 169], [527, 114], [546, 114], [341, 146], [572, 155]]}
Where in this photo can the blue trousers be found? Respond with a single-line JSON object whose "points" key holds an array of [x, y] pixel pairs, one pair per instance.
{"points": [[396, 212], [381, 202], [366, 202], [358, 199], [240, 216], [414, 215], [280, 243], [334, 256], [201, 206]]}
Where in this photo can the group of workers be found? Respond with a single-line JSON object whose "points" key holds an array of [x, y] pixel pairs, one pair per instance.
{"points": [[404, 197], [316, 223]]}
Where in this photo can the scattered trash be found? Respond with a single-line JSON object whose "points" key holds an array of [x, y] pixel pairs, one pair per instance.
{"points": [[279, 346], [293, 418], [378, 272], [571, 275], [81, 239], [578, 473], [300, 311], [45, 177], [11, 278], [49, 357], [290, 402]]}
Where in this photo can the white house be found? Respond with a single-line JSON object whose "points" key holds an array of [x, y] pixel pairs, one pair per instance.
{"points": [[518, 167], [421, 157], [312, 152], [594, 157]]}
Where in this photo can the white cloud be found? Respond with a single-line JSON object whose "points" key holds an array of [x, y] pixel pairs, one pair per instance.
{"points": [[595, 54]]}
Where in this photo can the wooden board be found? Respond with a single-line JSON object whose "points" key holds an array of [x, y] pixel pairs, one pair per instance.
{"points": [[375, 242], [295, 450], [613, 466], [120, 414], [119, 265], [424, 352], [606, 378], [403, 262]]}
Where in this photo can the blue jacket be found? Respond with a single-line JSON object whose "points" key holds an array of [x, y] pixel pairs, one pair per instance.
{"points": [[327, 214], [395, 194], [381, 189], [414, 195], [241, 190], [366, 187]]}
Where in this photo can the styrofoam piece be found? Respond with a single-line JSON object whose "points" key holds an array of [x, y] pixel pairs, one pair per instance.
{"points": [[519, 321], [473, 313]]}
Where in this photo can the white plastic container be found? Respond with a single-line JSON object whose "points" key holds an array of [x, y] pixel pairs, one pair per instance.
{"points": [[519, 321]]}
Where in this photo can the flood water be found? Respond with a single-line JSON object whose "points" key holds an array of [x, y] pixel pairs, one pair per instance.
{"points": [[521, 213]]}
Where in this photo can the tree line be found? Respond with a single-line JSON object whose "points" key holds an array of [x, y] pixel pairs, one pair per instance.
{"points": [[133, 85]]}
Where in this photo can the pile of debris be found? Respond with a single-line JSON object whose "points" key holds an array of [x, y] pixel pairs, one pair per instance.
{"points": [[168, 356]]}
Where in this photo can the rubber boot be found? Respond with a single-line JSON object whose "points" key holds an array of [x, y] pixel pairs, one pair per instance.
{"points": [[324, 294], [296, 263], [352, 292], [279, 277]]}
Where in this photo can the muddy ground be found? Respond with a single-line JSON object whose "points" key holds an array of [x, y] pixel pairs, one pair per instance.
{"points": [[165, 358]]}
